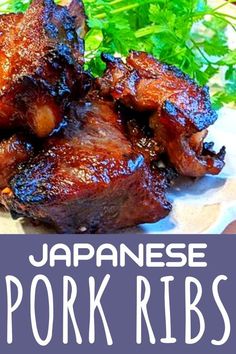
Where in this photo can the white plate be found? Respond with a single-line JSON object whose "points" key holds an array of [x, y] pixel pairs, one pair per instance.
{"points": [[204, 206]]}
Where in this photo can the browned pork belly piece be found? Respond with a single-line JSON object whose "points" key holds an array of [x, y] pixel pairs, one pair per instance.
{"points": [[41, 58], [13, 151], [180, 111], [89, 178]]}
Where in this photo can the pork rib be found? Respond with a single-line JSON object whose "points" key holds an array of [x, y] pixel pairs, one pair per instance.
{"points": [[89, 178], [41, 58], [180, 110]]}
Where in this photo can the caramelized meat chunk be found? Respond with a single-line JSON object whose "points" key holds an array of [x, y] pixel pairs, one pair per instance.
{"points": [[180, 110], [41, 58], [13, 151], [89, 178]]}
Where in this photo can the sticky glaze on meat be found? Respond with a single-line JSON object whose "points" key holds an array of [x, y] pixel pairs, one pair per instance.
{"points": [[180, 110], [41, 58], [89, 178]]}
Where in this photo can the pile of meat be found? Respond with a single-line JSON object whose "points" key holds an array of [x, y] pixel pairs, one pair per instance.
{"points": [[92, 155]]}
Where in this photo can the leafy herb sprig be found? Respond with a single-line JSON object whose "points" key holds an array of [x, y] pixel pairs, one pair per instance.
{"points": [[187, 33]]}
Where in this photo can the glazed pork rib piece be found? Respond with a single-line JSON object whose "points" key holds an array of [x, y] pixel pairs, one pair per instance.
{"points": [[89, 178], [37, 101], [41, 58], [180, 110]]}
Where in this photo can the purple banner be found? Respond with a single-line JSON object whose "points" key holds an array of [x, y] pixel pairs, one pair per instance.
{"points": [[118, 294]]}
